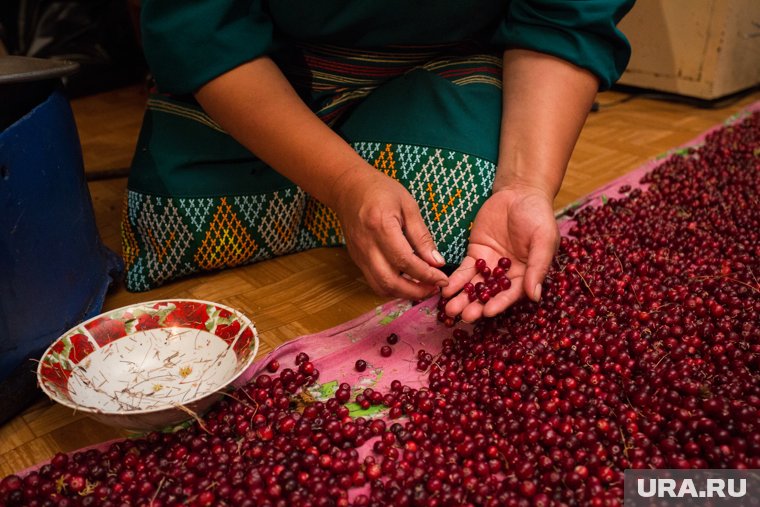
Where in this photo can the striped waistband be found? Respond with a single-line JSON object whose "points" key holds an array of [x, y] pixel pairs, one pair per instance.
{"points": [[326, 68]]}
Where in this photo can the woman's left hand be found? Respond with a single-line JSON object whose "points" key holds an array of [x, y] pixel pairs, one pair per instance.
{"points": [[515, 222]]}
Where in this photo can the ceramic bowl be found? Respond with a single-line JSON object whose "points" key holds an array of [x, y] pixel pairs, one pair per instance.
{"points": [[151, 365]]}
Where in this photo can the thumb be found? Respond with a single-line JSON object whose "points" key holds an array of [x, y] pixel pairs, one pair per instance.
{"points": [[543, 246], [419, 237]]}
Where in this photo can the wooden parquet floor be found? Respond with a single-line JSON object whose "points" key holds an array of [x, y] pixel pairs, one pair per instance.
{"points": [[310, 291]]}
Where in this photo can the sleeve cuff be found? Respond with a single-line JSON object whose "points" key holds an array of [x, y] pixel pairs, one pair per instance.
{"points": [[590, 42]]}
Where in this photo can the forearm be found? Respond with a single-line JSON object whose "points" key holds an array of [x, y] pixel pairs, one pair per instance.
{"points": [[546, 101], [257, 106]]}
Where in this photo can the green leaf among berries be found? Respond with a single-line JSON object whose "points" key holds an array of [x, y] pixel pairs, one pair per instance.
{"points": [[355, 410], [326, 390]]}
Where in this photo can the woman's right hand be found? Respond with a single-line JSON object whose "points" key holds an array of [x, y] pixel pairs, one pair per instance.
{"points": [[386, 236]]}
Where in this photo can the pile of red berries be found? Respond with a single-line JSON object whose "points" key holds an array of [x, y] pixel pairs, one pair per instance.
{"points": [[643, 352], [492, 282]]}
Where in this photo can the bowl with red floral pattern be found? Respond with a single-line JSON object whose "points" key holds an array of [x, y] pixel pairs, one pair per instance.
{"points": [[149, 366]]}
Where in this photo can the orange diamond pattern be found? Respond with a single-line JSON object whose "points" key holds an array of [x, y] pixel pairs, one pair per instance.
{"points": [[129, 246], [279, 227], [386, 163], [441, 210], [322, 222], [227, 242]]}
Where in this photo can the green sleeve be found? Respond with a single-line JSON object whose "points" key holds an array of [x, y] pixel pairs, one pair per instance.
{"points": [[583, 32], [188, 43]]}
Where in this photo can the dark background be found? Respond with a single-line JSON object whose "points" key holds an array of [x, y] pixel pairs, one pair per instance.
{"points": [[100, 35]]}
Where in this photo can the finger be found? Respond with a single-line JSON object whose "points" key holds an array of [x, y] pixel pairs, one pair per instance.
{"points": [[503, 300], [381, 277], [419, 237], [463, 274], [542, 249], [385, 280], [472, 312], [456, 304], [400, 255]]}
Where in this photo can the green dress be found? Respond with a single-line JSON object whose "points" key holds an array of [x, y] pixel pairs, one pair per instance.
{"points": [[413, 86]]}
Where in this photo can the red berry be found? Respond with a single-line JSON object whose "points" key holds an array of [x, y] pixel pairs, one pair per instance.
{"points": [[504, 283], [306, 368], [273, 366], [342, 395], [505, 263]]}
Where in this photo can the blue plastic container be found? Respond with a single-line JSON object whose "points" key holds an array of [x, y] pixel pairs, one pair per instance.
{"points": [[54, 269]]}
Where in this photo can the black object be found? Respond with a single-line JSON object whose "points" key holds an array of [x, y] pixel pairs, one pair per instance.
{"points": [[99, 35], [26, 82]]}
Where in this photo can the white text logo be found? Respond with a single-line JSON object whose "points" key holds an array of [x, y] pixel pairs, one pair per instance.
{"points": [[685, 488]]}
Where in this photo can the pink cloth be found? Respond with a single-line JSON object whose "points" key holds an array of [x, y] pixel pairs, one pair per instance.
{"points": [[334, 352]]}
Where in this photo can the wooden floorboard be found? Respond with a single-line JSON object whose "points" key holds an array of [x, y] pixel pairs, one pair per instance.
{"points": [[314, 290]]}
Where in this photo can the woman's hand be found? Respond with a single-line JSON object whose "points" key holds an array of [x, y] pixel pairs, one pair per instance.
{"points": [[515, 222], [382, 223], [386, 236], [546, 101]]}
